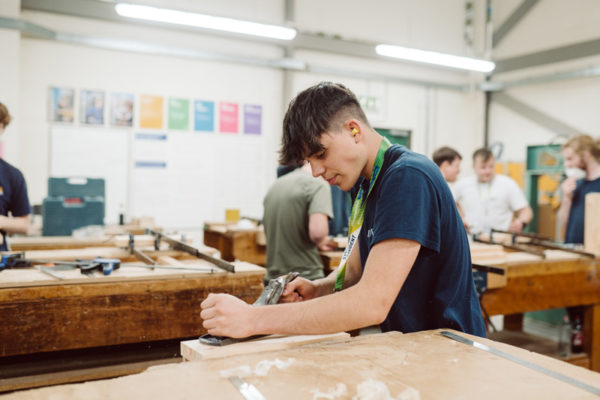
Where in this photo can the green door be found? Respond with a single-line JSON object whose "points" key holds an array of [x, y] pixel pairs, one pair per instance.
{"points": [[396, 136]]}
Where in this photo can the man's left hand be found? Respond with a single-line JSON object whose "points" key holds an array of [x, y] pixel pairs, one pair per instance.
{"points": [[516, 225], [226, 315]]}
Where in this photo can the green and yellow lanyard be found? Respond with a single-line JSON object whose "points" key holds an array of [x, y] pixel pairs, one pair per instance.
{"points": [[357, 215]]}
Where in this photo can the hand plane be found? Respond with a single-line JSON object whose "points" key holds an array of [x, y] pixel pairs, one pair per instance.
{"points": [[270, 295]]}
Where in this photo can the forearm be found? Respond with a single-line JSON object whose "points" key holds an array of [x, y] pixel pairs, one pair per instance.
{"points": [[341, 311], [14, 224], [525, 215], [325, 285], [563, 212]]}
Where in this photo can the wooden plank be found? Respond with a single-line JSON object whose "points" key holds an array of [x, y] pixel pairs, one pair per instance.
{"points": [[592, 222], [422, 365], [194, 350], [79, 375]]}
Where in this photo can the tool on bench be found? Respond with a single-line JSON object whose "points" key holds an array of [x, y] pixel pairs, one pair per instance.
{"points": [[542, 241], [14, 260], [87, 267], [18, 260], [177, 245], [173, 267], [139, 254], [151, 264], [539, 253], [522, 362], [270, 295], [533, 245], [480, 276], [247, 390]]}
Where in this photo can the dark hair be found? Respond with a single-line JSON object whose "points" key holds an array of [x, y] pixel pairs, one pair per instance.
{"points": [[4, 115], [484, 153], [320, 108], [445, 154]]}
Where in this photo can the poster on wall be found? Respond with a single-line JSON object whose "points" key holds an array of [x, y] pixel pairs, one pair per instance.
{"points": [[204, 115], [179, 114], [228, 117], [151, 111], [61, 104], [252, 118], [121, 109], [92, 107]]}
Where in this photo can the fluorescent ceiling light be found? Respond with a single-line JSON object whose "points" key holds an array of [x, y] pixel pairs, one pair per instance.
{"points": [[204, 21], [432, 57]]}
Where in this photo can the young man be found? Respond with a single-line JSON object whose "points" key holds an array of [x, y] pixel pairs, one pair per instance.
{"points": [[582, 163], [13, 193], [407, 266], [448, 160], [296, 220], [489, 200]]}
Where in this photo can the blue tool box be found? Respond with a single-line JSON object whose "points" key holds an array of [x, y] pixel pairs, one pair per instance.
{"points": [[72, 203]]}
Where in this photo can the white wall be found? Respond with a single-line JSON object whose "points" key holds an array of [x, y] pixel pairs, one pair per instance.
{"points": [[549, 24], [46, 63], [435, 116]]}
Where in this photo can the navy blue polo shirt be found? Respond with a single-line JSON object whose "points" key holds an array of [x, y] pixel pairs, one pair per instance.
{"points": [[576, 223], [13, 194], [411, 200]]}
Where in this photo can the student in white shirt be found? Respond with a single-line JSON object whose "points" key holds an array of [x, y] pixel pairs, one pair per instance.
{"points": [[489, 200]]}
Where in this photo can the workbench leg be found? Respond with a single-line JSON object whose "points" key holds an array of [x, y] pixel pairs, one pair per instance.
{"points": [[591, 335], [513, 322]]}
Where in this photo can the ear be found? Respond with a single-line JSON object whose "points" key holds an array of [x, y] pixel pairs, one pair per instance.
{"points": [[354, 128]]}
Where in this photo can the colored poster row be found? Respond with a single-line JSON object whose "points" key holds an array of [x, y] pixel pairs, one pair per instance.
{"points": [[203, 115]]}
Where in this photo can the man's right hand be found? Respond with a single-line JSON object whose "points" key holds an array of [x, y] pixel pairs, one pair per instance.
{"points": [[568, 187], [299, 289]]}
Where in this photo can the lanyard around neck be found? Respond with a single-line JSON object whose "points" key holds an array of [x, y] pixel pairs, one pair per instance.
{"points": [[357, 215]]}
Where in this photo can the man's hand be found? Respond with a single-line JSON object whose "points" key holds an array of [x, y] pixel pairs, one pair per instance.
{"points": [[568, 187], [298, 290], [226, 315], [516, 225], [327, 244]]}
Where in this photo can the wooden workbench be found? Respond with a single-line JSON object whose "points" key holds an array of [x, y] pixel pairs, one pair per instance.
{"points": [[45, 317], [40, 313], [235, 243], [560, 280], [423, 365]]}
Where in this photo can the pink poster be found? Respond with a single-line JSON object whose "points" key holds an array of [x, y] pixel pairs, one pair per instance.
{"points": [[228, 117]]}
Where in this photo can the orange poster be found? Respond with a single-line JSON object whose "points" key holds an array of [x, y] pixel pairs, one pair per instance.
{"points": [[151, 111]]}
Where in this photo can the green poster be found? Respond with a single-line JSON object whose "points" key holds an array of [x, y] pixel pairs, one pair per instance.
{"points": [[179, 113]]}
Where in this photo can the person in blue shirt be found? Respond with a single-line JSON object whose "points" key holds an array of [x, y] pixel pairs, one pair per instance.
{"points": [[13, 193], [408, 267], [581, 156]]}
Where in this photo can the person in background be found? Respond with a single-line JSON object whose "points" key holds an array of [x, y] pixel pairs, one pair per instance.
{"points": [[407, 266], [13, 193], [582, 166], [491, 201], [448, 160], [297, 209]]}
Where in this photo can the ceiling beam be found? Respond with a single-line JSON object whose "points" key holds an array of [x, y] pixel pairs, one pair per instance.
{"points": [[545, 120], [512, 21], [558, 54]]}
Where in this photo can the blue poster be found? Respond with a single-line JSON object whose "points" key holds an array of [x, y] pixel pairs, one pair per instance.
{"points": [[204, 115]]}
